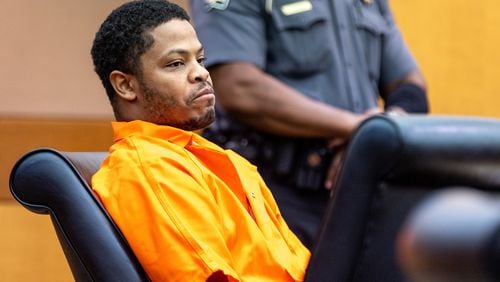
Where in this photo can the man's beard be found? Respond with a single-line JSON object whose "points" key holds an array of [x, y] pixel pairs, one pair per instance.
{"points": [[197, 123], [159, 106]]}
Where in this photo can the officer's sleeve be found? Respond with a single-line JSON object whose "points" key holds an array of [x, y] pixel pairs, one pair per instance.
{"points": [[397, 60], [232, 33]]}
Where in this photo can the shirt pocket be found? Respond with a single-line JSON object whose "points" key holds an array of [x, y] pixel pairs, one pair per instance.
{"points": [[299, 42], [371, 27]]}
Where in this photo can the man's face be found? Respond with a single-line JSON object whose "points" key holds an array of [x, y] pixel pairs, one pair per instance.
{"points": [[175, 86]]}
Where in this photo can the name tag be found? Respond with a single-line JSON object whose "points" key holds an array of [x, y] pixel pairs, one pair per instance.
{"points": [[296, 8]]}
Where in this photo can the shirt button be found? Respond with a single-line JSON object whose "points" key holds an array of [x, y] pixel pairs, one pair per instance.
{"points": [[252, 194]]}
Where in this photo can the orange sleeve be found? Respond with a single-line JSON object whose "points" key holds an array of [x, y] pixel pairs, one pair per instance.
{"points": [[167, 214]]}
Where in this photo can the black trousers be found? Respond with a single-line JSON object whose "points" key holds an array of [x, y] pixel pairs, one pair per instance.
{"points": [[302, 209]]}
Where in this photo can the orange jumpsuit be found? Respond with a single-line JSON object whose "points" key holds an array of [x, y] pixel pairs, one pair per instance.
{"points": [[189, 208]]}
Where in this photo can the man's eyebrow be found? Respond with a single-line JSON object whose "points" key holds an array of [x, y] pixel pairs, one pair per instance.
{"points": [[183, 51]]}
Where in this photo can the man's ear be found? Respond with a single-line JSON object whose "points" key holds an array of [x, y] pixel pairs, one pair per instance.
{"points": [[124, 85]]}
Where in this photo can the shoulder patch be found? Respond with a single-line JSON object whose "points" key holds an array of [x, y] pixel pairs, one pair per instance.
{"points": [[216, 4]]}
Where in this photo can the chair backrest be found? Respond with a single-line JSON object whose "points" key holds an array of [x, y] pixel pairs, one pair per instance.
{"points": [[452, 235], [391, 163], [50, 182]]}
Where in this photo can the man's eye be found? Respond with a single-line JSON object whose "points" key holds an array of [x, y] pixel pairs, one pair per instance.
{"points": [[175, 64], [201, 61]]}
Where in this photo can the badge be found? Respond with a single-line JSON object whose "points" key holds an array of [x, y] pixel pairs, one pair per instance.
{"points": [[216, 4], [367, 2], [296, 7]]}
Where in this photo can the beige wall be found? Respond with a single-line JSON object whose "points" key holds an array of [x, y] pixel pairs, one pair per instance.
{"points": [[45, 53], [46, 68]]}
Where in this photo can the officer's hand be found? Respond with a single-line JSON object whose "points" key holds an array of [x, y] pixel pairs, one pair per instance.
{"points": [[338, 146], [372, 111], [395, 111]]}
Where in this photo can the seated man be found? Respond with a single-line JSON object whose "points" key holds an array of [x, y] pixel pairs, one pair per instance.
{"points": [[190, 210]]}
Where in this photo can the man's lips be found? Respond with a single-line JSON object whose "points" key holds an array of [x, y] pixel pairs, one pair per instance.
{"points": [[207, 92]]}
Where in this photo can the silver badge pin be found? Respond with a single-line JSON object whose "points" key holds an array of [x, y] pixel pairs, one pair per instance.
{"points": [[216, 4]]}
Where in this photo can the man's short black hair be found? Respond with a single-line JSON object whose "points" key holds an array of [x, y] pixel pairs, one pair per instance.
{"points": [[123, 37]]}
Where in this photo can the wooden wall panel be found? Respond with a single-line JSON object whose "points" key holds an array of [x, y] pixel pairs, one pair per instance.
{"points": [[455, 42], [29, 249], [19, 136]]}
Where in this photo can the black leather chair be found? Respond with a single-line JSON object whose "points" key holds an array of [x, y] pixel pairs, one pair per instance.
{"points": [[390, 165], [50, 182], [453, 235]]}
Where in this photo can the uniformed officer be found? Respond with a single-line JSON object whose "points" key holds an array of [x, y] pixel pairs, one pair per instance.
{"points": [[294, 78]]}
